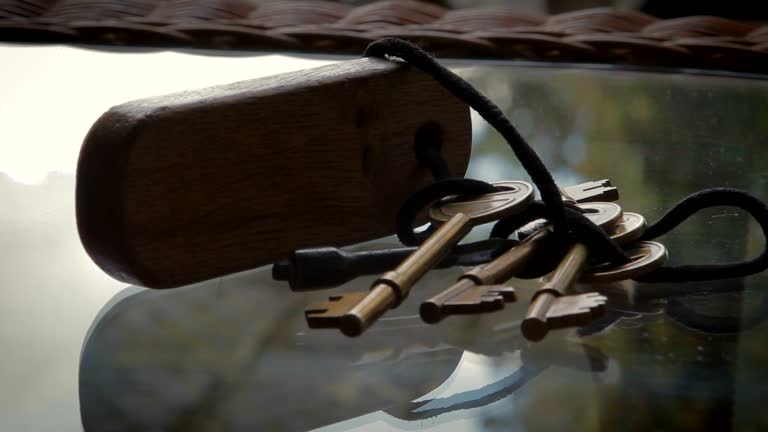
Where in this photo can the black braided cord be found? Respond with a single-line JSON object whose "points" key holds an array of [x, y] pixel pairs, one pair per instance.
{"points": [[567, 221], [392, 47]]}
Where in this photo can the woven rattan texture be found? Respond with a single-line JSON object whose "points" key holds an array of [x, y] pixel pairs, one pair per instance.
{"points": [[591, 36]]}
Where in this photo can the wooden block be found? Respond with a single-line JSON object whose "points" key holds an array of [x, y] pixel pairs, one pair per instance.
{"points": [[182, 188]]}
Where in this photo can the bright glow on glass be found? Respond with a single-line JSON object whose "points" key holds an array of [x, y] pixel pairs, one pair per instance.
{"points": [[51, 95]]}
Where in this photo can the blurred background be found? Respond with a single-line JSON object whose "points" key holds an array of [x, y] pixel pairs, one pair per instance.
{"points": [[83, 351]]}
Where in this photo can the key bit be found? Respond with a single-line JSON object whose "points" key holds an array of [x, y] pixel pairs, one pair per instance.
{"points": [[593, 191], [466, 297], [480, 298], [330, 313], [551, 312]]}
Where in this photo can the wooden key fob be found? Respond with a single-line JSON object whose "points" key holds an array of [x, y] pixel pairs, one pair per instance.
{"points": [[182, 188]]}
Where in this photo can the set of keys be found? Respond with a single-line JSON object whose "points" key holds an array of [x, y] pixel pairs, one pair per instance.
{"points": [[485, 287]]}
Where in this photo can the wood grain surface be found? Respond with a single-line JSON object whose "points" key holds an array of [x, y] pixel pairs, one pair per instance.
{"points": [[182, 188]]}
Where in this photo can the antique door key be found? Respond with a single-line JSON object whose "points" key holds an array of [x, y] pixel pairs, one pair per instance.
{"points": [[476, 292], [354, 312], [550, 309]]}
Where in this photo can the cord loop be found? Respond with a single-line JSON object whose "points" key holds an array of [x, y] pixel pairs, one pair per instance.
{"points": [[567, 221]]}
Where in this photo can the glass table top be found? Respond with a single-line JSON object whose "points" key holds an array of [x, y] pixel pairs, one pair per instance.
{"points": [[82, 351]]}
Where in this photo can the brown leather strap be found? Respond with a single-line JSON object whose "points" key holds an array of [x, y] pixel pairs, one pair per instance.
{"points": [[592, 36]]}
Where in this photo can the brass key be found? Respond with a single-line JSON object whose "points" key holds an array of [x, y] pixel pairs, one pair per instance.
{"points": [[550, 309], [456, 218], [476, 292]]}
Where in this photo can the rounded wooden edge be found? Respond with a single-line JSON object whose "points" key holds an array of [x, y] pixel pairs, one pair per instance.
{"points": [[98, 197]]}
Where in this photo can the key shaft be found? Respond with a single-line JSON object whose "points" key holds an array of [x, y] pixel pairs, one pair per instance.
{"points": [[568, 271], [535, 325], [393, 286], [509, 263], [434, 249]]}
